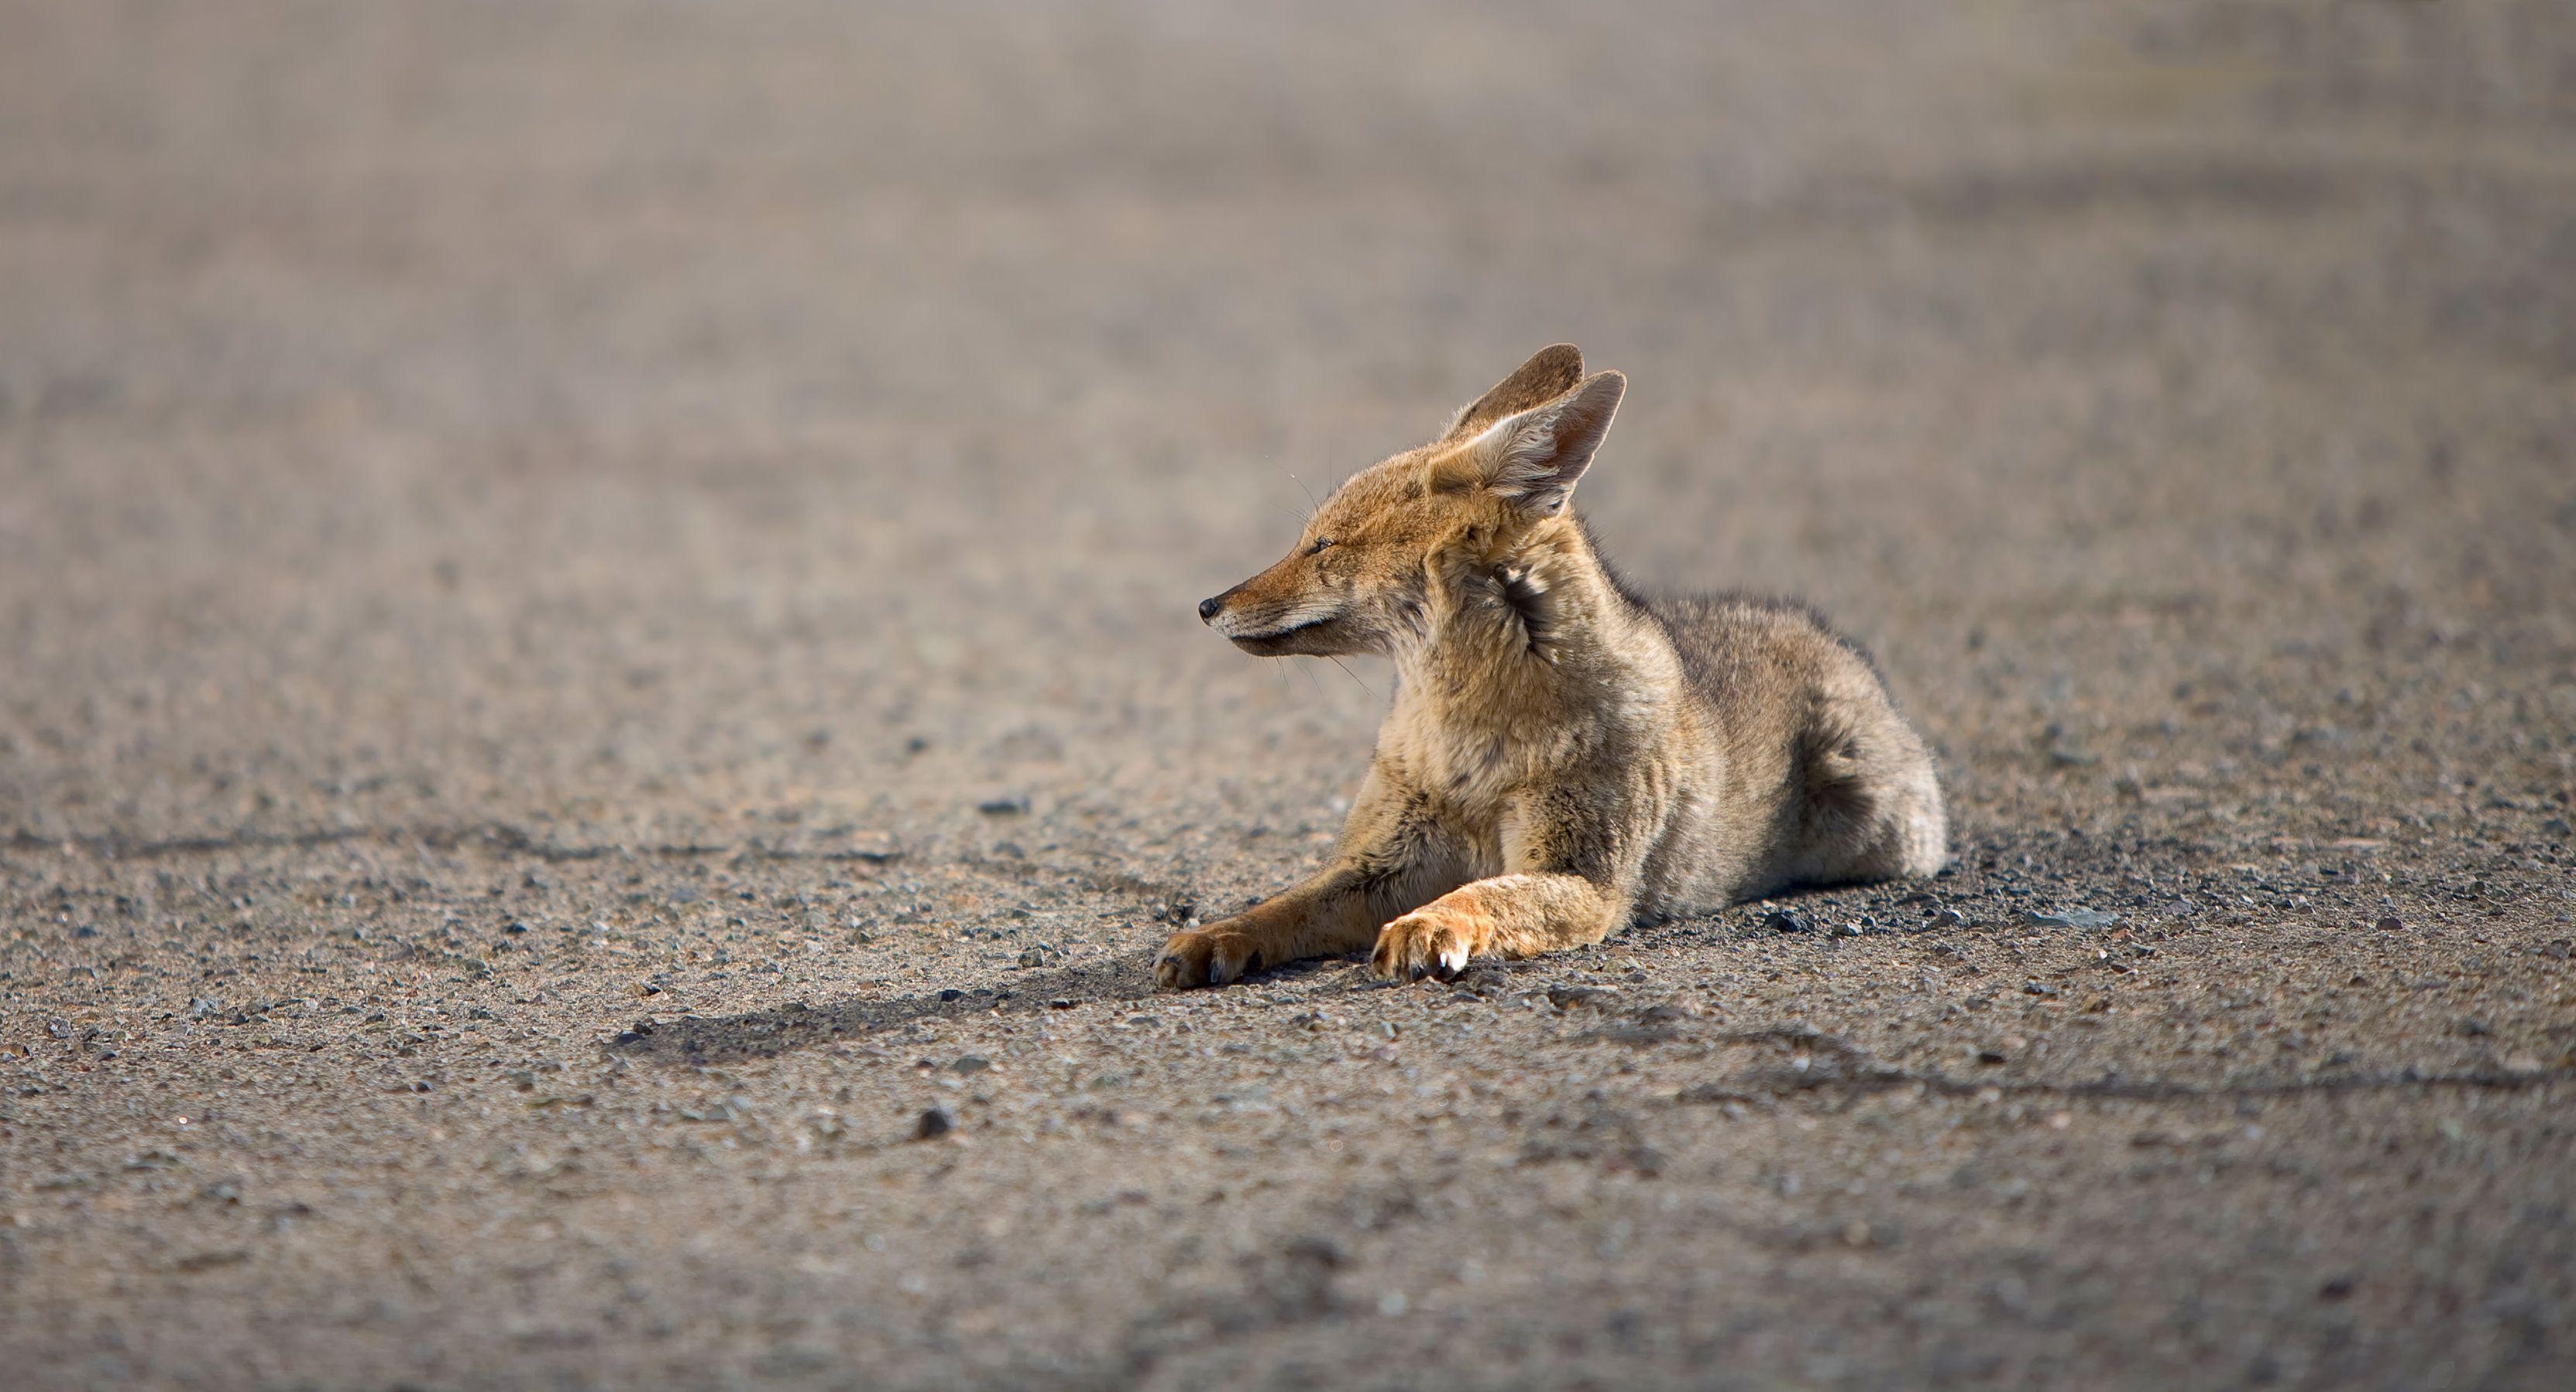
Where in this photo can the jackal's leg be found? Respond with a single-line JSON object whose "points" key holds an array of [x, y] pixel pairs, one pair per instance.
{"points": [[1392, 856], [1574, 855], [1506, 916]]}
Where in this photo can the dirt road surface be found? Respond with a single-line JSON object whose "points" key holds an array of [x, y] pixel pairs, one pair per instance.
{"points": [[595, 616]]}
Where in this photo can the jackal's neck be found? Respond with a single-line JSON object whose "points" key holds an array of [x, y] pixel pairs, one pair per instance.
{"points": [[1527, 622]]}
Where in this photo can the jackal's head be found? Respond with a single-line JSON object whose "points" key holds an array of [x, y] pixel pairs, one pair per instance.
{"points": [[1358, 578]]}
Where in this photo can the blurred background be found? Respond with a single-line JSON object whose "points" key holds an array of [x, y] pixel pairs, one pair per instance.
{"points": [[596, 614], [649, 415]]}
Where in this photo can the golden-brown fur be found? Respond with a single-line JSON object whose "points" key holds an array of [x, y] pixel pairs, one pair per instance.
{"points": [[1561, 757]]}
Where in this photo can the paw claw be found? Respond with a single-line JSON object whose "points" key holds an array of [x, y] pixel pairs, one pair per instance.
{"points": [[1433, 941], [1211, 956]]}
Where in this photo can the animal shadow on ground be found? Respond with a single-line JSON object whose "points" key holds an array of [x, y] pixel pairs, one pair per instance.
{"points": [[1129, 976]]}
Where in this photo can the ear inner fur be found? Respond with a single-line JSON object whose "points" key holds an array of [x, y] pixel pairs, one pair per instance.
{"points": [[1534, 458]]}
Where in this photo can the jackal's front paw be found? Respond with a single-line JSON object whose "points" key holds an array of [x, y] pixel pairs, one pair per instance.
{"points": [[1205, 957], [1434, 940]]}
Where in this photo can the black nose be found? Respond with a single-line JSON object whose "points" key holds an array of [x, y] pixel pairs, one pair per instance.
{"points": [[1208, 608]]}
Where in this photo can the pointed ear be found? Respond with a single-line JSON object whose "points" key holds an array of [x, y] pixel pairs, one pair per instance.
{"points": [[1543, 378], [1533, 458]]}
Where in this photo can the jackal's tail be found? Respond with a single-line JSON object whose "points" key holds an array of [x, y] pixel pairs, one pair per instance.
{"points": [[1873, 804]]}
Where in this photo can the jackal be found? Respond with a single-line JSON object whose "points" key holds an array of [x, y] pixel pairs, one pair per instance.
{"points": [[1563, 756]]}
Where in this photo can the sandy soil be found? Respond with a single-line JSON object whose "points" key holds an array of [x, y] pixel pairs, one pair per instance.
{"points": [[595, 614]]}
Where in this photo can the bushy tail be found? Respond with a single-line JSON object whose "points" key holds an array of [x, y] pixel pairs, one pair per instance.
{"points": [[1873, 806]]}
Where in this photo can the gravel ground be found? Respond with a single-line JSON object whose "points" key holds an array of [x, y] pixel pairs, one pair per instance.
{"points": [[596, 610]]}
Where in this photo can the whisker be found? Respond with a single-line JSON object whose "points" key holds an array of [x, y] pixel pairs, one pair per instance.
{"points": [[1311, 504], [1354, 676]]}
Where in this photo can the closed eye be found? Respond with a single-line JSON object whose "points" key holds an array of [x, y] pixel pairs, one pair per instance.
{"points": [[1320, 544]]}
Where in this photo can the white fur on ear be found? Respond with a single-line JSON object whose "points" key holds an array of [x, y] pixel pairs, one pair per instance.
{"points": [[1535, 457]]}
